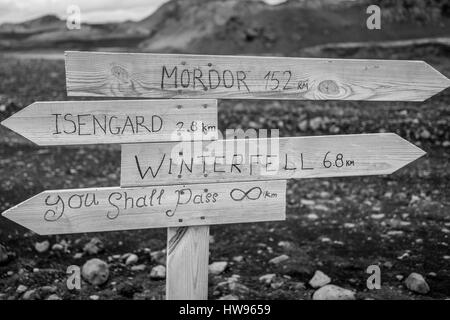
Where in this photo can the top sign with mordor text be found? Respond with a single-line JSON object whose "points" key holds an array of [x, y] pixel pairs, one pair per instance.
{"points": [[241, 77]]}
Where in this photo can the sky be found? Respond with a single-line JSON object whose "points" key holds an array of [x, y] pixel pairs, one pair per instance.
{"points": [[93, 11]]}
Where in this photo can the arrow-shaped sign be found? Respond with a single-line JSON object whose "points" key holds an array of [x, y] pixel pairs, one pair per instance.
{"points": [[245, 77], [109, 209], [118, 121], [265, 159]]}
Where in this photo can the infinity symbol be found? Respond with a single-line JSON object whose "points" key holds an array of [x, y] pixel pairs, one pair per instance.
{"points": [[252, 194]]}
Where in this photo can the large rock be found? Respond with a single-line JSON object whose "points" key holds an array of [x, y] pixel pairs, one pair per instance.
{"points": [[319, 280], [94, 246], [217, 267], [131, 259], [279, 259], [31, 295], [158, 272], [43, 246], [159, 256], [332, 292], [95, 271], [21, 289], [267, 278], [415, 282]]}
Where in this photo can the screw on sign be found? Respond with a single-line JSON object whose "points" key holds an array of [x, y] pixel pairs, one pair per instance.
{"points": [[186, 186]]}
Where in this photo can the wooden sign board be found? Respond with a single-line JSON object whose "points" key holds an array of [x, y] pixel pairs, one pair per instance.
{"points": [[245, 77], [110, 209], [117, 121], [265, 159]]}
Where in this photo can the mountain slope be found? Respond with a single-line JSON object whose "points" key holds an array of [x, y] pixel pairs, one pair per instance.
{"points": [[237, 26]]}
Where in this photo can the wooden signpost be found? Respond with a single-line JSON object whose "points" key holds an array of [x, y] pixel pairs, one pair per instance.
{"points": [[234, 77], [111, 209], [117, 121], [186, 186], [265, 159]]}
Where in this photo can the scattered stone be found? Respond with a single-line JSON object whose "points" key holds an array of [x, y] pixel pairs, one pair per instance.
{"points": [[349, 225], [57, 247], [321, 207], [416, 283], [277, 284], [307, 203], [267, 278], [332, 292], [299, 286], [229, 297], [30, 295], [287, 245], [312, 216], [94, 297], [238, 288], [158, 272], [388, 264], [94, 246], [279, 259], [403, 256], [4, 255], [126, 289], [217, 267], [139, 267], [238, 259], [319, 280], [377, 216], [159, 256], [95, 271], [78, 255], [53, 297], [45, 290], [425, 134], [399, 277], [395, 233], [132, 259], [21, 289], [432, 274], [41, 247]]}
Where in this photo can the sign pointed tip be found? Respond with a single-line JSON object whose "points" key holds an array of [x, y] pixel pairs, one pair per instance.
{"points": [[6, 123]]}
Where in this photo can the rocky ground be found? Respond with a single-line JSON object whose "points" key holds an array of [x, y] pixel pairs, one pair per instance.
{"points": [[335, 228]]}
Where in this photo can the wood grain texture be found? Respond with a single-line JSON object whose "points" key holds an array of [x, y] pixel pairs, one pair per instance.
{"points": [[187, 263], [265, 159], [110, 209], [245, 77], [117, 121]]}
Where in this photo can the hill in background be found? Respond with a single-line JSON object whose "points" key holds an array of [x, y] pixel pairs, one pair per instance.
{"points": [[234, 26]]}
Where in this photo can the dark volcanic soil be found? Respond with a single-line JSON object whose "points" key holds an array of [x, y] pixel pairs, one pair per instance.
{"points": [[341, 226]]}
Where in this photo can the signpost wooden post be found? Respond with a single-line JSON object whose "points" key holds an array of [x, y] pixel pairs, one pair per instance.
{"points": [[185, 186]]}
